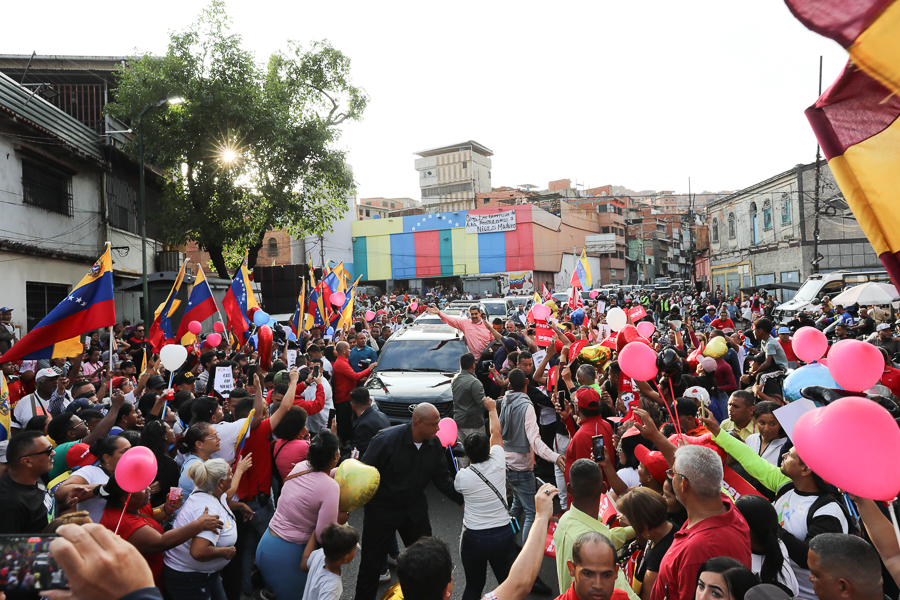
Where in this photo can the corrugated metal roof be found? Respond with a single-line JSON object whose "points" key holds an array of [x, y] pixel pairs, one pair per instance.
{"points": [[42, 115]]}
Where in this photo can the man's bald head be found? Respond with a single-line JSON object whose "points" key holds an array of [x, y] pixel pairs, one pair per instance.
{"points": [[342, 349], [425, 422], [425, 410]]}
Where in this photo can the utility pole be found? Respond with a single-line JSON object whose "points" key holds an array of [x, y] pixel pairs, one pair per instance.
{"points": [[322, 251], [815, 260]]}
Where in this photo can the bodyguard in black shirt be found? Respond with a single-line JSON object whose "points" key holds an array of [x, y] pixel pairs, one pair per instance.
{"points": [[408, 457], [27, 505], [368, 421]]}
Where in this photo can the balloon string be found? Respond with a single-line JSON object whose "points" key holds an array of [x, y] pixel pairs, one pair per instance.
{"points": [[666, 404], [450, 448], [894, 519], [126, 505], [675, 407]]}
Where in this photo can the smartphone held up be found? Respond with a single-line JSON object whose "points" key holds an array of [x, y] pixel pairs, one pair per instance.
{"points": [[26, 564]]}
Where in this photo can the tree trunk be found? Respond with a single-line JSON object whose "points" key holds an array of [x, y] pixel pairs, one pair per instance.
{"points": [[218, 260]]}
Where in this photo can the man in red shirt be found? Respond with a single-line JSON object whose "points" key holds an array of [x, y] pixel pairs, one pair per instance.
{"points": [[256, 484], [723, 321], [13, 384], [591, 424], [784, 338], [593, 569], [345, 379], [890, 378], [713, 527]]}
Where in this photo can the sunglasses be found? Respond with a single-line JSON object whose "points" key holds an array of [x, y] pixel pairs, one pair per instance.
{"points": [[48, 451]]}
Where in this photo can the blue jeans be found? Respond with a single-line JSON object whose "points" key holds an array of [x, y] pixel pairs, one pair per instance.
{"points": [[524, 488], [477, 548], [193, 586], [254, 532], [279, 562]]}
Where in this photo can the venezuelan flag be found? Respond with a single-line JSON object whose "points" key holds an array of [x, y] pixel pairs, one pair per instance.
{"points": [[238, 300], [4, 409], [299, 320], [201, 306], [856, 123], [88, 307], [868, 29], [316, 306], [161, 333], [347, 308], [581, 275]]}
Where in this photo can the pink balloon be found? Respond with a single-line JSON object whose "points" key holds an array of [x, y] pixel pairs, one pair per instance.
{"points": [[855, 365], [541, 311], [638, 361], [414, 306], [820, 437], [337, 298], [136, 470], [219, 327], [447, 431], [214, 339], [195, 327], [369, 315], [809, 344], [646, 328], [594, 294]]}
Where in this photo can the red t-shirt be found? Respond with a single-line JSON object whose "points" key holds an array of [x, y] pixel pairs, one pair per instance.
{"points": [[581, 445], [257, 479], [723, 535], [720, 324], [570, 594], [891, 379], [788, 348], [130, 524], [15, 392]]}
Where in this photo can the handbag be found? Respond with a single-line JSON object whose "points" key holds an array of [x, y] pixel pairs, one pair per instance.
{"points": [[512, 520]]}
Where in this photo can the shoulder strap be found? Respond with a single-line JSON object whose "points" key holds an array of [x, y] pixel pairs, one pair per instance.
{"points": [[490, 485], [289, 477]]}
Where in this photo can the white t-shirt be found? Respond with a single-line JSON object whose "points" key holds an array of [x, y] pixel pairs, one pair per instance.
{"points": [[483, 509], [326, 364], [786, 577], [321, 584], [773, 450], [23, 412], [94, 475], [179, 557], [228, 437], [317, 422], [629, 476], [792, 509]]}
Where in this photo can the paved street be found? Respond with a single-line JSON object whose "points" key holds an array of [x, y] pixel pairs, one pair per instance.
{"points": [[446, 523]]}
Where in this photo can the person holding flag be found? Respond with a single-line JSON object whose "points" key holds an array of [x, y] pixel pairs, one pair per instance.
{"points": [[201, 306], [239, 299], [161, 333]]}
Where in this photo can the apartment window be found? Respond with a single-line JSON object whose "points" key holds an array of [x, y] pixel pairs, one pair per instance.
{"points": [[731, 229], [604, 230], [47, 186], [272, 247], [612, 272], [785, 209], [465, 165], [368, 213], [767, 215], [754, 225], [40, 299]]}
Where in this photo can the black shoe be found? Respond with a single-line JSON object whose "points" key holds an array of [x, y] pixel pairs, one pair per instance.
{"points": [[540, 588]]}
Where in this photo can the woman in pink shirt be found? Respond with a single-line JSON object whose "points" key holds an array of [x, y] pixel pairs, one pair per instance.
{"points": [[292, 443], [308, 503]]}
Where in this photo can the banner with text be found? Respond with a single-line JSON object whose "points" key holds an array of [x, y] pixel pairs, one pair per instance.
{"points": [[502, 221]]}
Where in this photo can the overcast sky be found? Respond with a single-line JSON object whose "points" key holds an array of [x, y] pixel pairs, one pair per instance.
{"points": [[640, 94]]}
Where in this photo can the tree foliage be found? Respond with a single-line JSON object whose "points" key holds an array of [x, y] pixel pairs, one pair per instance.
{"points": [[279, 120]]}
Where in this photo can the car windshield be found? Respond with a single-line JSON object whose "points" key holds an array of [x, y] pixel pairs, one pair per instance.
{"points": [[421, 355], [496, 308], [808, 291]]}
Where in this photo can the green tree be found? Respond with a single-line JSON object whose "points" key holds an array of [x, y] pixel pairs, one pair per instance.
{"points": [[251, 149]]}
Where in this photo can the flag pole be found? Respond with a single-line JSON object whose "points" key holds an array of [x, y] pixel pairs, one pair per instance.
{"points": [[112, 342]]}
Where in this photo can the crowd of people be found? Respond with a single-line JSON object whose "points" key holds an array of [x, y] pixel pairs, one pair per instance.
{"points": [[682, 486]]}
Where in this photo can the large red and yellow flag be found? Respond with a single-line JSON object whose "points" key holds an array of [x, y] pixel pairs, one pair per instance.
{"points": [[868, 29]]}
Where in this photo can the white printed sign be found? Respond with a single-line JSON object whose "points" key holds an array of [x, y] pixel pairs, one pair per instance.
{"points": [[502, 221], [224, 382], [538, 357], [291, 356]]}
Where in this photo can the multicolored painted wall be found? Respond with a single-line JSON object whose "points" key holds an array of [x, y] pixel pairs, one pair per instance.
{"points": [[437, 245]]}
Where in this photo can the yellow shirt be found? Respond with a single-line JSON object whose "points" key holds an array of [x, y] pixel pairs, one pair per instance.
{"points": [[571, 525], [744, 433]]}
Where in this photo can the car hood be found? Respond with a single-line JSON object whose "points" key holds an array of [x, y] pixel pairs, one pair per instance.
{"points": [[410, 386]]}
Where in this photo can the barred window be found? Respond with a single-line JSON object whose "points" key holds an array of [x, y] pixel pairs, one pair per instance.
{"points": [[46, 186]]}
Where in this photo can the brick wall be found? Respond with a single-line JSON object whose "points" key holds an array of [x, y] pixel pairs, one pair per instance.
{"points": [[280, 252]]}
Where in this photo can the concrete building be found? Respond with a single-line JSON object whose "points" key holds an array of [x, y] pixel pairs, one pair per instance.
{"points": [[379, 208], [451, 176], [652, 254], [765, 234]]}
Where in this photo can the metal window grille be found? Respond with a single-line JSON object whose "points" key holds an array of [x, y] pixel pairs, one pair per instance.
{"points": [[46, 187], [123, 203], [40, 299]]}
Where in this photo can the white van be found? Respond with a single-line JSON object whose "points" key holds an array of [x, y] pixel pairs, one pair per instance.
{"points": [[810, 294]]}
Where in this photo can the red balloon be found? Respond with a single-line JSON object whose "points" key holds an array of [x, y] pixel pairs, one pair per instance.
{"points": [[628, 334], [638, 361], [214, 339], [809, 344], [855, 365], [219, 327], [195, 327], [264, 347]]}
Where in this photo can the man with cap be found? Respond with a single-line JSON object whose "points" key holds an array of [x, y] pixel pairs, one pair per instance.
{"points": [[687, 417], [49, 387], [710, 316], [7, 332], [886, 339], [652, 470], [590, 424], [784, 338], [9, 371], [803, 320], [184, 382]]}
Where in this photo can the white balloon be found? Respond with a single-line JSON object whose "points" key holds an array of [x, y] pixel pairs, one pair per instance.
{"points": [[173, 356], [616, 318]]}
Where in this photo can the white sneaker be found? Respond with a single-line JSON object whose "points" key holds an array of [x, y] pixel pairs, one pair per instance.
{"points": [[385, 577]]}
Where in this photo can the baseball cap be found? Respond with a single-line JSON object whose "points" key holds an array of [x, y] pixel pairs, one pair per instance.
{"points": [[558, 345], [283, 376], [117, 381], [697, 393], [654, 461], [783, 330], [186, 377], [708, 364], [633, 431], [46, 374], [686, 407], [587, 398], [156, 382], [79, 455], [882, 327], [5, 309]]}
